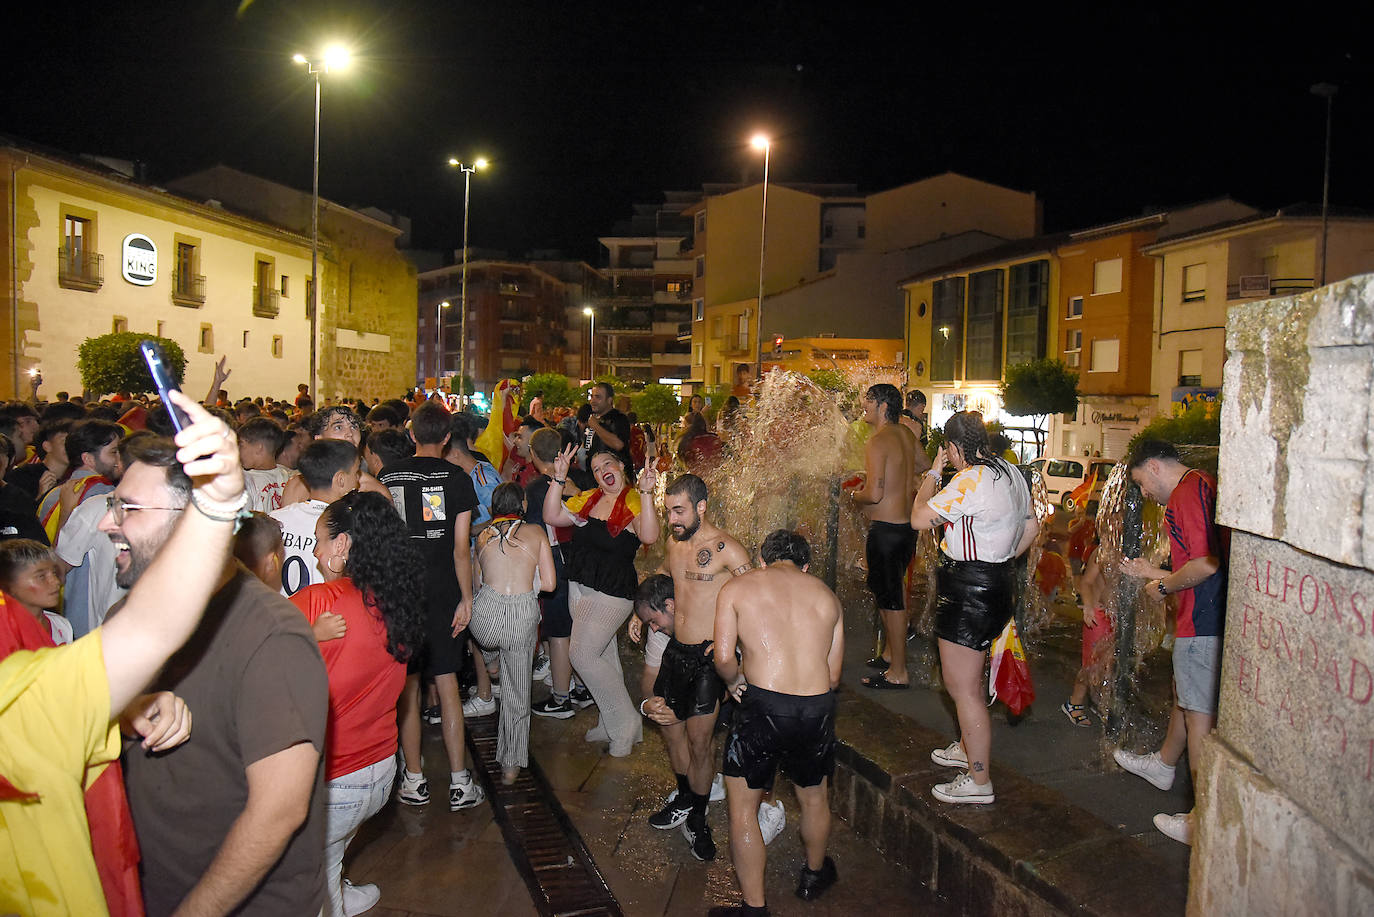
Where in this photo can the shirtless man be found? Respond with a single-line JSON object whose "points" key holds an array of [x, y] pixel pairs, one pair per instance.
{"points": [[790, 631], [701, 559], [890, 485]]}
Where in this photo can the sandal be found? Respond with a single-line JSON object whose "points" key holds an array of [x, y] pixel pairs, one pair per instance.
{"points": [[881, 683], [1075, 714], [879, 663]]}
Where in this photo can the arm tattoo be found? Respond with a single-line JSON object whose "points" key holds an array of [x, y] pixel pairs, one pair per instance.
{"points": [[881, 481]]}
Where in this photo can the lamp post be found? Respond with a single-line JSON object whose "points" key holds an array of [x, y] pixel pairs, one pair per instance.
{"points": [[439, 343], [1325, 91], [467, 171], [762, 142], [335, 57], [591, 342]]}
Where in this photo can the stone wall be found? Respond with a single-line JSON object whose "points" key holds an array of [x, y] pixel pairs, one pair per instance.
{"points": [[1287, 779]]}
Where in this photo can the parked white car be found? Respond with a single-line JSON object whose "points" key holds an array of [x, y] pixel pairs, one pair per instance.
{"points": [[1063, 474]]}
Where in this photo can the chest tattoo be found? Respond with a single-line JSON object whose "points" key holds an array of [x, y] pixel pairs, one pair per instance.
{"points": [[740, 570], [703, 557], [703, 577]]}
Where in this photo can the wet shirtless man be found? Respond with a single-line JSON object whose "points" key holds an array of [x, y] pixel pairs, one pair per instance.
{"points": [[790, 632], [701, 559], [889, 486]]}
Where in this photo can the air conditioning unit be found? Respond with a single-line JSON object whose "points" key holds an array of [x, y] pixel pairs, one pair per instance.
{"points": [[1254, 285]]}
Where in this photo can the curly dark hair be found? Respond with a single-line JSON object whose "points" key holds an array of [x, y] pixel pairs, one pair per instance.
{"points": [[384, 566]]}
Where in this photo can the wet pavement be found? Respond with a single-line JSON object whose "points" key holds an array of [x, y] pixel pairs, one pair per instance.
{"points": [[429, 861]]}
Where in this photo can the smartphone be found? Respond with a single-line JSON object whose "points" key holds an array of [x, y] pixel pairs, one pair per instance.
{"points": [[162, 378]]}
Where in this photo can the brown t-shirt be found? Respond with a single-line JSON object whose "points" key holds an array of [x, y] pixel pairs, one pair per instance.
{"points": [[255, 683]]}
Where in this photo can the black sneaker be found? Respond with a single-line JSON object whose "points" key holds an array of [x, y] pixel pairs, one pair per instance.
{"points": [[558, 709], [812, 885], [581, 698], [431, 715], [670, 816], [699, 840]]}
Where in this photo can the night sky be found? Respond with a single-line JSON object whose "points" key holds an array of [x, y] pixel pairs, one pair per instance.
{"points": [[585, 108]]}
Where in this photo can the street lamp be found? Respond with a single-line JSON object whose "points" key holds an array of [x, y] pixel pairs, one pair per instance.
{"points": [[478, 163], [591, 342], [1325, 91], [335, 57], [439, 344], [762, 142]]}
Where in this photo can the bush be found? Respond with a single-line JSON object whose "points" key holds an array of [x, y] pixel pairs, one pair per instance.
{"points": [[112, 363], [1198, 425]]}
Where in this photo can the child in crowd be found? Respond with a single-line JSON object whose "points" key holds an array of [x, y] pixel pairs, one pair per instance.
{"points": [[29, 578]]}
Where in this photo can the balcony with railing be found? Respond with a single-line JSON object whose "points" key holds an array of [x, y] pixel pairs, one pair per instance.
{"points": [[188, 289], [80, 270], [684, 331], [1258, 286], [732, 345], [265, 301]]}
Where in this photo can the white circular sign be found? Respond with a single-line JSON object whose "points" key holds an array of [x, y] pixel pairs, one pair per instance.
{"points": [[138, 263]]}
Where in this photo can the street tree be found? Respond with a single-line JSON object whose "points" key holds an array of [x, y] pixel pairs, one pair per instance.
{"points": [[1040, 388], [112, 363]]}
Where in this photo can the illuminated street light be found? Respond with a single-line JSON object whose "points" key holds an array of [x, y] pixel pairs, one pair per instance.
{"points": [[467, 171], [762, 142], [591, 342], [335, 57]]}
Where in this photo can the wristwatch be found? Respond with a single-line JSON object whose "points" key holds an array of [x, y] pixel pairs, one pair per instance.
{"points": [[1159, 585]]}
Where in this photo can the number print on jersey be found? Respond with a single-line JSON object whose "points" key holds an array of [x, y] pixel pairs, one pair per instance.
{"points": [[295, 574]]}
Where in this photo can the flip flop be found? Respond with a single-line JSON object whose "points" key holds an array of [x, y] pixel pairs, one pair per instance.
{"points": [[879, 682], [879, 663]]}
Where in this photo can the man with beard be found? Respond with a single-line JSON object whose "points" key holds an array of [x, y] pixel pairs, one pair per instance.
{"points": [[92, 465], [233, 819], [700, 558]]}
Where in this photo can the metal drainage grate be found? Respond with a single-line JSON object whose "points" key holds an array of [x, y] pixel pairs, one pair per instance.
{"points": [[544, 846]]}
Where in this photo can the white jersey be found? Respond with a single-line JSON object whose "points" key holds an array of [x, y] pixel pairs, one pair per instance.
{"points": [[61, 628], [265, 488], [985, 513], [298, 537], [91, 554]]}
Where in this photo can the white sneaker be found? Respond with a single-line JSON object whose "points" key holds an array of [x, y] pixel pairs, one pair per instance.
{"points": [[358, 899], [412, 791], [962, 789], [952, 755], [542, 668], [1179, 827], [1147, 767], [465, 795], [772, 819], [477, 707]]}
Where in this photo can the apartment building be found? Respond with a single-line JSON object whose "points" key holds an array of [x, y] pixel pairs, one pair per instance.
{"points": [[516, 322], [1201, 273]]}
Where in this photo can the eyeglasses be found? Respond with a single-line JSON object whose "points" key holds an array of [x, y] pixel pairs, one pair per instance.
{"points": [[120, 509]]}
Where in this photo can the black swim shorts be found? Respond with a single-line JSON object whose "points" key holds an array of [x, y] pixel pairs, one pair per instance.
{"points": [[772, 729], [555, 616], [973, 600], [687, 680], [890, 547]]}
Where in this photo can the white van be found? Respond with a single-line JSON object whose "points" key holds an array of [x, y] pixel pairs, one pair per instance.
{"points": [[1063, 474]]}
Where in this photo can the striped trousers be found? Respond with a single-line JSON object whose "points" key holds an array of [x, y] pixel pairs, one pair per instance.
{"points": [[596, 619], [510, 624]]}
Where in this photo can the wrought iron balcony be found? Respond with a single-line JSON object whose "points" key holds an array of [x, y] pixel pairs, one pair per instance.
{"points": [[79, 270], [265, 303], [188, 289]]}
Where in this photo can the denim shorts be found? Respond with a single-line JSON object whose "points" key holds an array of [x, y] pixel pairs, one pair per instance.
{"points": [[1197, 673]]}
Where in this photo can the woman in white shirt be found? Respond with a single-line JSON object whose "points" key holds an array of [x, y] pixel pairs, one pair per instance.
{"points": [[986, 522]]}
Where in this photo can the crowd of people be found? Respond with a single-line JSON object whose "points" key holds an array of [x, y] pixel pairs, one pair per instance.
{"points": [[331, 578]]}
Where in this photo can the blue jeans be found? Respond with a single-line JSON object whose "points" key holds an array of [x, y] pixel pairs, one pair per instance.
{"points": [[351, 800]]}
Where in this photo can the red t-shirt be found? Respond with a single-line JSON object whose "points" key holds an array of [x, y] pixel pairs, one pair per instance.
{"points": [[364, 680], [1193, 532]]}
